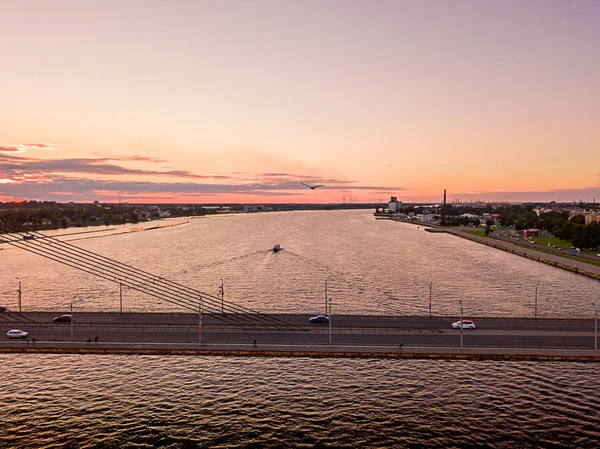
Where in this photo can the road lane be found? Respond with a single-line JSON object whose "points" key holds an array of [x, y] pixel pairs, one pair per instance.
{"points": [[451, 338], [268, 321], [296, 330]]}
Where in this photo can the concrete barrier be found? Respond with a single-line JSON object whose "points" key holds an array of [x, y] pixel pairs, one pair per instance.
{"points": [[237, 350], [538, 258]]}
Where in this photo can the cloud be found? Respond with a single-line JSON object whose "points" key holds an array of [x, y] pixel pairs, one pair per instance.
{"points": [[155, 160], [586, 194], [24, 147], [59, 188], [80, 179], [14, 165]]}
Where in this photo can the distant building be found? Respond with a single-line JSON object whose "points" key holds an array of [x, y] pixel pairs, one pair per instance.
{"points": [[590, 216], [531, 232], [575, 212], [394, 205], [542, 210]]}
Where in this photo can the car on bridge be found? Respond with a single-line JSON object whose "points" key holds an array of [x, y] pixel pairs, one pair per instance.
{"points": [[63, 319], [319, 319], [466, 324], [16, 333]]}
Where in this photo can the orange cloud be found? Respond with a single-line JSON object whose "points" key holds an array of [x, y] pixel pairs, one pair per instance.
{"points": [[24, 147]]}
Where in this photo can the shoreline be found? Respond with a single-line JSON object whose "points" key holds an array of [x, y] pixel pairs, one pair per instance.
{"points": [[557, 261]]}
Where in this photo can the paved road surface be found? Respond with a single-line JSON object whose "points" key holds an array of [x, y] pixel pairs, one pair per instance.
{"points": [[296, 330]]}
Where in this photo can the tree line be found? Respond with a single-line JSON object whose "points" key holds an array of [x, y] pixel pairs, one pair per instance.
{"points": [[522, 217], [41, 215]]}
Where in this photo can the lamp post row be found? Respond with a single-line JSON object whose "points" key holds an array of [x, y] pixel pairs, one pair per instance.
{"points": [[327, 312], [595, 326]]}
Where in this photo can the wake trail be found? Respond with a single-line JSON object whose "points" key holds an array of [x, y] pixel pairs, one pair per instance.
{"points": [[232, 259]]}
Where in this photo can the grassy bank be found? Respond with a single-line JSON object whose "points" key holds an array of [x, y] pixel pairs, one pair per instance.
{"points": [[477, 232], [553, 241]]}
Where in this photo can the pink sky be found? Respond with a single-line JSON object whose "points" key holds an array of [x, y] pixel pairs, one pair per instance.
{"points": [[241, 101]]}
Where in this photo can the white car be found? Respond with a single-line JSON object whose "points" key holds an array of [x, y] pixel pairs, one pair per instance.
{"points": [[16, 333], [466, 324]]}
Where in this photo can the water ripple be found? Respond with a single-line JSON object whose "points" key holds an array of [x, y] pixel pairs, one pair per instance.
{"points": [[372, 266], [147, 401]]}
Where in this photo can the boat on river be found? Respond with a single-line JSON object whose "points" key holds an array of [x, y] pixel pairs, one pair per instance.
{"points": [[276, 248]]}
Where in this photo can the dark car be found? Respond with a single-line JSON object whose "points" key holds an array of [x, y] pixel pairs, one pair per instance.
{"points": [[63, 319], [319, 319]]}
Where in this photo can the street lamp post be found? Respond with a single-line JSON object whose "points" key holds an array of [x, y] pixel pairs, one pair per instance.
{"points": [[535, 303], [222, 290], [461, 323], [329, 316], [19, 292], [120, 298], [595, 327], [72, 318], [200, 322], [326, 297], [430, 289]]}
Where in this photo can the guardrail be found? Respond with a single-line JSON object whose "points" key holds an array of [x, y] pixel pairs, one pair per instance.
{"points": [[213, 328], [424, 318], [289, 344]]}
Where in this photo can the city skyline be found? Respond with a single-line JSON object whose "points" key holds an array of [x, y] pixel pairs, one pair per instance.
{"points": [[230, 101]]}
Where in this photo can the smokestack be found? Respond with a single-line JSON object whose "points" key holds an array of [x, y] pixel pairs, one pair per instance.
{"points": [[444, 206]]}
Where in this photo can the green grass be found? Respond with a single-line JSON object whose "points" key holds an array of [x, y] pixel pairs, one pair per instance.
{"points": [[553, 241], [478, 232], [564, 255]]}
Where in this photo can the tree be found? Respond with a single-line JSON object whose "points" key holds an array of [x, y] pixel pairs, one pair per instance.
{"points": [[577, 235], [520, 223]]}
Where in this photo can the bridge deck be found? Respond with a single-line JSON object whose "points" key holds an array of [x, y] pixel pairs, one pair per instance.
{"points": [[293, 334]]}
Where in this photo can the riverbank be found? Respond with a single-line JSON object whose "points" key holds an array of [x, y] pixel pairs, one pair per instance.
{"points": [[574, 266], [556, 260]]}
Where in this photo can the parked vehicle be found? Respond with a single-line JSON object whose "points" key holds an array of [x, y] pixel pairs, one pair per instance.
{"points": [[16, 333], [319, 319], [466, 324]]}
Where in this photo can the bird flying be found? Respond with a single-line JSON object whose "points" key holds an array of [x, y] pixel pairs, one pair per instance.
{"points": [[312, 187]]}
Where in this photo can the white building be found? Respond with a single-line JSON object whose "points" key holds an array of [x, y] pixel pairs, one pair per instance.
{"points": [[394, 205]]}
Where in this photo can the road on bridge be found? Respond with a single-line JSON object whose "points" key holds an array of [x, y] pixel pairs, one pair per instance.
{"points": [[296, 330]]}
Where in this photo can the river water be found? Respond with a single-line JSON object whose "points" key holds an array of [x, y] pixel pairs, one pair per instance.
{"points": [[371, 266]]}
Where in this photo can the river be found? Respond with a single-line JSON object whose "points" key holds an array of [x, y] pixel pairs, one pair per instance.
{"points": [[371, 266]]}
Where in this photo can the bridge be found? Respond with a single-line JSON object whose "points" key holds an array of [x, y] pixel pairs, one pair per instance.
{"points": [[376, 336], [208, 323]]}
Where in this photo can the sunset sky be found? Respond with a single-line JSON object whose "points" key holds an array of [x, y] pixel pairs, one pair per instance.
{"points": [[185, 101]]}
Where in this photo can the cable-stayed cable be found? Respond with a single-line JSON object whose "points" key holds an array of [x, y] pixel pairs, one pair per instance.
{"points": [[114, 271]]}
